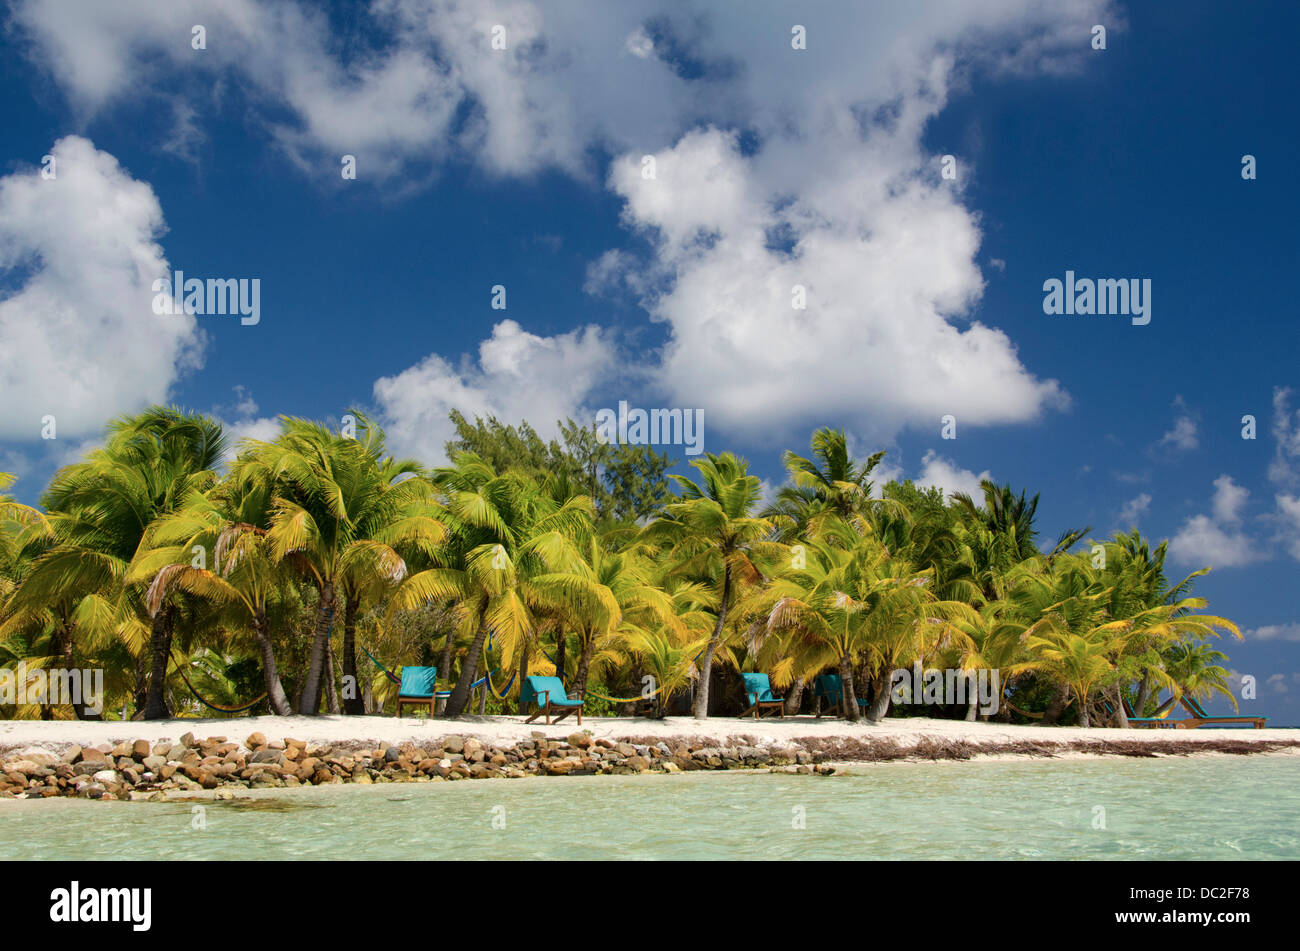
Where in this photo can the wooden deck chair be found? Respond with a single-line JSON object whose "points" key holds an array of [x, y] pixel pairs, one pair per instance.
{"points": [[418, 687], [1199, 717], [758, 694], [549, 696]]}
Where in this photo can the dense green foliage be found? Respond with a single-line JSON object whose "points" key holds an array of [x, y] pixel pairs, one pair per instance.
{"points": [[279, 572]]}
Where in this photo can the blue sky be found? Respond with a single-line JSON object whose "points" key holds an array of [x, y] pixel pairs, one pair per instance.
{"points": [[774, 166]]}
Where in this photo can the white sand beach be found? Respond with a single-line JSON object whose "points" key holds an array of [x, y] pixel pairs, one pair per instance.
{"points": [[506, 730]]}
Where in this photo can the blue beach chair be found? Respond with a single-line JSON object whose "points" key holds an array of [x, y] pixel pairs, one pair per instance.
{"points": [[829, 688], [549, 696], [418, 687], [758, 694]]}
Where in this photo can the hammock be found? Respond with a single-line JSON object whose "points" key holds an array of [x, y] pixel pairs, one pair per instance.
{"points": [[1033, 716], [220, 708]]}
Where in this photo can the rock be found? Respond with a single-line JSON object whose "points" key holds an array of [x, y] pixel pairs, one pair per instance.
{"points": [[392, 755], [208, 779], [453, 744], [88, 767], [275, 744], [189, 741], [671, 767], [267, 755], [140, 749], [24, 767], [255, 741], [293, 744], [560, 767], [154, 763], [638, 763], [625, 749], [39, 756], [161, 749], [91, 791], [122, 749], [71, 754], [472, 746], [582, 741], [176, 753], [92, 755]]}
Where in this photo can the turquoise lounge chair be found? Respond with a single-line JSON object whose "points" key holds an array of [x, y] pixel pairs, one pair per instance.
{"points": [[418, 687], [1200, 717], [758, 694], [829, 688], [548, 693]]}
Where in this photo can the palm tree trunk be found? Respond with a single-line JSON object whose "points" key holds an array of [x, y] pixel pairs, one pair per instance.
{"points": [[1056, 706], [331, 685], [160, 646], [310, 703], [1083, 713], [850, 696], [81, 710], [523, 675], [561, 653], [275, 697], [879, 696], [584, 663], [972, 703], [794, 699], [140, 695], [1143, 695], [459, 698], [1121, 715], [444, 666], [700, 708], [353, 704]]}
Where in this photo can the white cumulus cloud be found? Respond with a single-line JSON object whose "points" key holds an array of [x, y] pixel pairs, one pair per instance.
{"points": [[78, 336]]}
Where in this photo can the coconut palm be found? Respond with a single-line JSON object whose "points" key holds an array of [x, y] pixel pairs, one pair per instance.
{"points": [[342, 511], [711, 533], [226, 528], [506, 532], [100, 509], [855, 598], [831, 482]]}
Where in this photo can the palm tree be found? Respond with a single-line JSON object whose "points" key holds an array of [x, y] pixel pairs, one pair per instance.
{"points": [[243, 571], [1196, 670], [341, 511], [831, 482], [99, 511], [615, 600], [506, 532], [712, 534]]}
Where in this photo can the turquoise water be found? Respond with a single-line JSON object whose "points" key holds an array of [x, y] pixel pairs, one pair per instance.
{"points": [[1202, 808]]}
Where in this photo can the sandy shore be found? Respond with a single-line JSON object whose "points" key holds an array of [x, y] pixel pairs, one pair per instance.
{"points": [[504, 730]]}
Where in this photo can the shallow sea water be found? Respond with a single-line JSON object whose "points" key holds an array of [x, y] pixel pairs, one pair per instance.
{"points": [[1177, 808]]}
